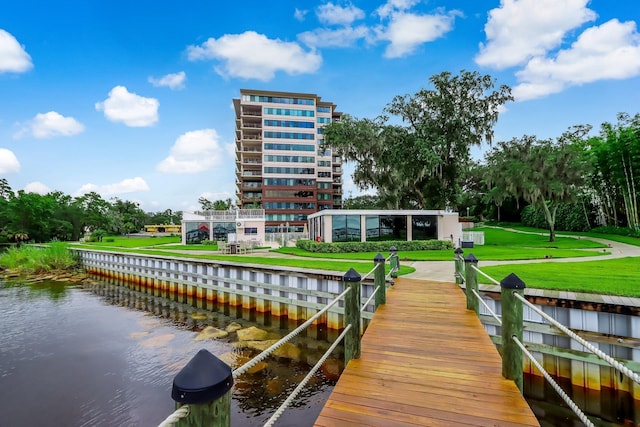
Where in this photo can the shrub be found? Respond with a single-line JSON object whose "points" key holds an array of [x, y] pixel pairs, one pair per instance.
{"points": [[620, 231], [382, 246]]}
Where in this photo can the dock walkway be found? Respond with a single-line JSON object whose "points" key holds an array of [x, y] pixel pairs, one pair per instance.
{"points": [[426, 361]]}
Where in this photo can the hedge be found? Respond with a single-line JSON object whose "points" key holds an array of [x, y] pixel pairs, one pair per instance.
{"points": [[382, 246]]}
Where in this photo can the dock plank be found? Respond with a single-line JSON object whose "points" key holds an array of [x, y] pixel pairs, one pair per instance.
{"points": [[426, 361]]}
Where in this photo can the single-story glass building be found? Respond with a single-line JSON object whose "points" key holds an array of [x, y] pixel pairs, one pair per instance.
{"points": [[234, 225], [345, 225]]}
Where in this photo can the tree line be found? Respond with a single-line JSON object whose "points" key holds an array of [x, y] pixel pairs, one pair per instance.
{"points": [[417, 155], [41, 218]]}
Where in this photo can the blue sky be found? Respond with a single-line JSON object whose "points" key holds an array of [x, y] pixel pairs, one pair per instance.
{"points": [[133, 99]]}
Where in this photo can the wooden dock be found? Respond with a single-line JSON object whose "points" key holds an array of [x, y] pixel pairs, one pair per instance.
{"points": [[426, 361]]}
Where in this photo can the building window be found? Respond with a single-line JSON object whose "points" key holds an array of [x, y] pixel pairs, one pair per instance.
{"points": [[250, 230], [289, 124], [288, 147], [289, 135], [345, 228], [424, 227], [386, 227], [287, 112]]}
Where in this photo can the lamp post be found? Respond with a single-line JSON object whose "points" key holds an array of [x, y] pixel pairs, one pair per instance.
{"points": [[282, 234], [286, 234], [467, 211]]}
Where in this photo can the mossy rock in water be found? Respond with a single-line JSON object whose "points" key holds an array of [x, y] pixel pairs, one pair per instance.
{"points": [[211, 333], [235, 360], [286, 350], [255, 334], [198, 316], [233, 327]]}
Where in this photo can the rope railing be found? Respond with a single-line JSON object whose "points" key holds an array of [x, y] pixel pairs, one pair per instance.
{"points": [[265, 353], [617, 365], [491, 279], [177, 415], [486, 306], [512, 325], [370, 272], [373, 294], [555, 385], [306, 379], [215, 377]]}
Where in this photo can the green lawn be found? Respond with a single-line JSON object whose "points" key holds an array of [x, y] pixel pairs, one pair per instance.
{"points": [[133, 242], [494, 253], [619, 276]]}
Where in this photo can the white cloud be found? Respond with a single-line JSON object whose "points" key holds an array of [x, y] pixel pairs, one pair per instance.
{"points": [[8, 162], [37, 187], [394, 6], [341, 37], [131, 109], [174, 81], [300, 14], [129, 185], [13, 56], [331, 14], [193, 152], [521, 29], [407, 31], [49, 125], [608, 51], [254, 56]]}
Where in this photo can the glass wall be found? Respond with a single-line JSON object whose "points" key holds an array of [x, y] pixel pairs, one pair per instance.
{"points": [[345, 228], [222, 229], [386, 227], [196, 232], [424, 227]]}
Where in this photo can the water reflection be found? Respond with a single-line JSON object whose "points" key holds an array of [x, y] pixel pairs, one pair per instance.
{"points": [[104, 354]]}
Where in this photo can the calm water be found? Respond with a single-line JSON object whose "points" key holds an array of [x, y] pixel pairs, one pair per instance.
{"points": [[105, 355], [92, 356]]}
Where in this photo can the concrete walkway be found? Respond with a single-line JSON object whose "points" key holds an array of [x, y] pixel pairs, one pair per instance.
{"points": [[442, 271]]}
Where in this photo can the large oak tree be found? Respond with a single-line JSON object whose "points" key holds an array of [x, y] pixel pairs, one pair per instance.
{"points": [[421, 163]]}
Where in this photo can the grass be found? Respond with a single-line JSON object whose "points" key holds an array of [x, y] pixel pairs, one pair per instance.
{"points": [[613, 237], [611, 277], [37, 259], [133, 242]]}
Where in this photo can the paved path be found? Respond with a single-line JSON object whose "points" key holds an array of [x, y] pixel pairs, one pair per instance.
{"points": [[442, 271]]}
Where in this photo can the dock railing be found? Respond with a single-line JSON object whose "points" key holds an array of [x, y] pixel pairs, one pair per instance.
{"points": [[202, 389], [512, 325]]}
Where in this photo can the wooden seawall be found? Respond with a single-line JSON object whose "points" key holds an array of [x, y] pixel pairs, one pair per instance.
{"points": [[426, 361]]}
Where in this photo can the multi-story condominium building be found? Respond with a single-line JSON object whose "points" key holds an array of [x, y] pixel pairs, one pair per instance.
{"points": [[280, 166]]}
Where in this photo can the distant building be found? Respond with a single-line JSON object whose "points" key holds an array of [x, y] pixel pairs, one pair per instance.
{"points": [[163, 228], [369, 225], [279, 165], [235, 225]]}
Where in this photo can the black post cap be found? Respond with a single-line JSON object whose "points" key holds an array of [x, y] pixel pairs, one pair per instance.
{"points": [[378, 258], [393, 249], [471, 258], [512, 282], [458, 251], [204, 379], [352, 276]]}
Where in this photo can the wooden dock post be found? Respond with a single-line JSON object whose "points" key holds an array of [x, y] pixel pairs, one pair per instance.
{"points": [[471, 283], [379, 281], [352, 315], [459, 264], [512, 325], [205, 384]]}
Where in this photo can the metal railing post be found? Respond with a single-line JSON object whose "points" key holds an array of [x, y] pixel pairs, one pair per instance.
{"points": [[459, 264], [352, 315], [471, 283], [394, 262], [205, 384], [512, 325], [379, 281]]}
